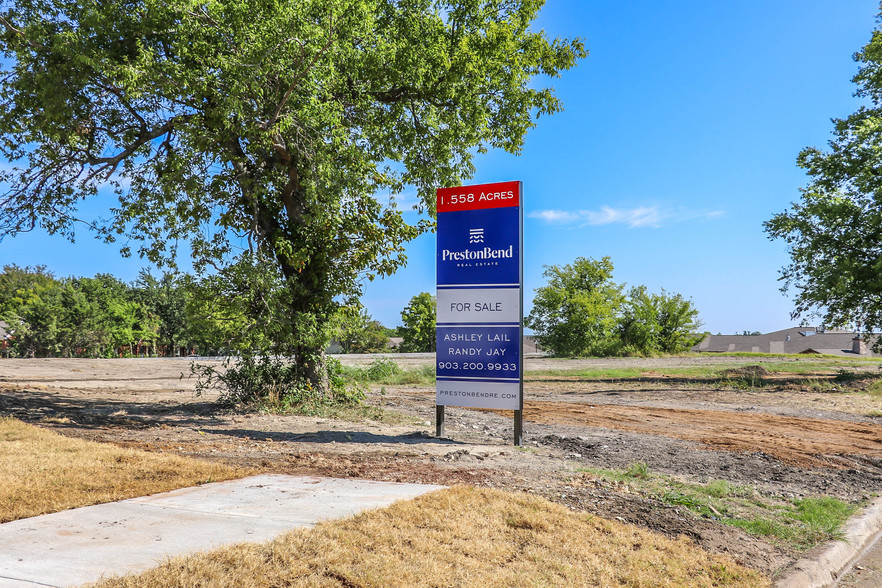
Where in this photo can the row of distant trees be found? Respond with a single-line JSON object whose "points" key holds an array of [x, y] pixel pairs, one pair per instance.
{"points": [[581, 311], [356, 332], [105, 317], [170, 315], [174, 314]]}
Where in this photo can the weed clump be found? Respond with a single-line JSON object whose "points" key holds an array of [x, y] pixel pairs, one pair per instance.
{"points": [[748, 371], [749, 376], [387, 371]]}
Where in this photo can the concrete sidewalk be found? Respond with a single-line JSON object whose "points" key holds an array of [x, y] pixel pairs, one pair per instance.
{"points": [[80, 545]]}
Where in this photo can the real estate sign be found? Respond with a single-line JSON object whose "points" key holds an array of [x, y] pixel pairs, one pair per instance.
{"points": [[480, 298]]}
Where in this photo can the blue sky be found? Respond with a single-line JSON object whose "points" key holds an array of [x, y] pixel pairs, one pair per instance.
{"points": [[678, 139]]}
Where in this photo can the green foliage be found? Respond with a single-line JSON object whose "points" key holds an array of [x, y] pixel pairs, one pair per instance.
{"points": [[387, 371], [763, 527], [677, 321], [166, 301], [638, 470], [639, 326], [381, 369], [801, 522], [576, 313], [418, 330], [820, 518], [274, 382], [583, 312], [20, 287], [276, 124], [834, 233], [90, 317], [844, 375], [653, 323], [357, 332], [805, 523], [103, 317]]}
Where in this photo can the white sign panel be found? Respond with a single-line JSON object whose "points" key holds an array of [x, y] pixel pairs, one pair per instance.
{"points": [[479, 305]]}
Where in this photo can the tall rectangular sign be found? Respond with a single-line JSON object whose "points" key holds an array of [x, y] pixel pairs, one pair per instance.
{"points": [[480, 298]]}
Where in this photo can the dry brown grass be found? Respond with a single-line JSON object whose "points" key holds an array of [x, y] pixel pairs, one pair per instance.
{"points": [[43, 472], [457, 537]]}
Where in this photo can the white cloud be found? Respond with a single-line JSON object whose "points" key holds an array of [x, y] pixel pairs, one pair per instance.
{"points": [[643, 216], [552, 216], [639, 217]]}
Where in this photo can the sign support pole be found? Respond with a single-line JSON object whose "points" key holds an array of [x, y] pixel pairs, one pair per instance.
{"points": [[439, 420]]}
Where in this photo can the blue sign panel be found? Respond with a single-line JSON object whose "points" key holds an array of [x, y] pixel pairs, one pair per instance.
{"points": [[481, 353], [479, 247]]}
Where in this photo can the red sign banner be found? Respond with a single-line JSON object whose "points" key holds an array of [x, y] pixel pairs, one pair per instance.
{"points": [[499, 195]]}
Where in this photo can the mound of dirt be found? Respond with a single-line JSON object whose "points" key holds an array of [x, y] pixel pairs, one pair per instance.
{"points": [[748, 371]]}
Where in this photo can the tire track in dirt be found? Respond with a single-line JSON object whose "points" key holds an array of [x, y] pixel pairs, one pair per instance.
{"points": [[799, 441]]}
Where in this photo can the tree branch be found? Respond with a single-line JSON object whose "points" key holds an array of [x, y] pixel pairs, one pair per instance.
{"points": [[275, 117], [11, 28], [113, 162]]}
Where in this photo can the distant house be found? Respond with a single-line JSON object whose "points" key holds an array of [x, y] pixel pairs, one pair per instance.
{"points": [[530, 345], [793, 340]]}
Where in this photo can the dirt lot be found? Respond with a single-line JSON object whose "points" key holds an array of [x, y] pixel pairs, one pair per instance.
{"points": [[788, 438]]}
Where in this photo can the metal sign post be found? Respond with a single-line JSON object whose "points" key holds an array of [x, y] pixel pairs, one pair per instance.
{"points": [[479, 333]]}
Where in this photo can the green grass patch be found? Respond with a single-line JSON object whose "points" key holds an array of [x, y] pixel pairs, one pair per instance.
{"points": [[819, 519], [874, 389], [804, 523], [585, 373], [800, 523], [800, 365], [638, 470], [625, 373], [839, 359], [761, 527], [387, 371]]}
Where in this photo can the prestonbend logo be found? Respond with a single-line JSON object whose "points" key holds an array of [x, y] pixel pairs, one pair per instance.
{"points": [[477, 236], [485, 253]]}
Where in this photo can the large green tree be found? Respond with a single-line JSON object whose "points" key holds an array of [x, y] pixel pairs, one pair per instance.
{"points": [[834, 233], [658, 323], [577, 312], [271, 127], [418, 324], [582, 311], [356, 332], [165, 300]]}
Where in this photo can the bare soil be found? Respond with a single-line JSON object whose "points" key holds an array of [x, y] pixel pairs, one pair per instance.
{"points": [[787, 438]]}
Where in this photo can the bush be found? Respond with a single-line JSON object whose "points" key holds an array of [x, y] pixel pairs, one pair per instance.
{"points": [[275, 382]]}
